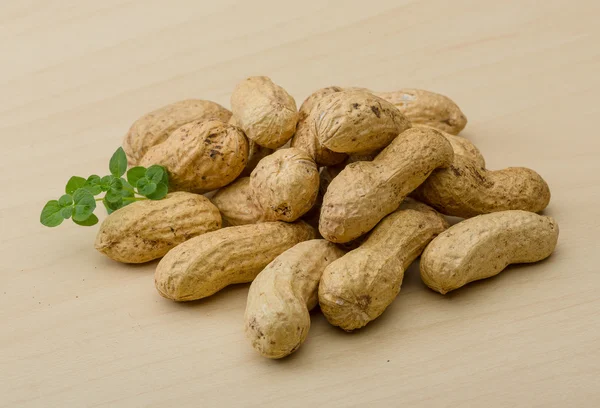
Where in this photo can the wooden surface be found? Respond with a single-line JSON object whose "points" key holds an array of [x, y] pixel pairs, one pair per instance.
{"points": [[79, 330]]}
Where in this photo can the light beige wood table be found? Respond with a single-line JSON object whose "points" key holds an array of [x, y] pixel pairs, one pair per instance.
{"points": [[79, 330]]}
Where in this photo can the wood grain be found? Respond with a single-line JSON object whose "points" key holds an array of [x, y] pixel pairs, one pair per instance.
{"points": [[78, 330]]}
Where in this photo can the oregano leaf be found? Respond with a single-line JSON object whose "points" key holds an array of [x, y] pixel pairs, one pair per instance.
{"points": [[160, 192], [88, 222], [84, 205], [134, 174], [74, 183], [118, 163], [51, 214], [65, 201]]}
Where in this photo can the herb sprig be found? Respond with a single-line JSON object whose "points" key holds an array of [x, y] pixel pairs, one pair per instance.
{"points": [[79, 202]]}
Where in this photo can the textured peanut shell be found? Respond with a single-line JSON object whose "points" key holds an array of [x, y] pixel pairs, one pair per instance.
{"points": [[265, 111], [365, 192], [147, 230], [237, 204], [356, 121], [483, 246], [277, 318], [306, 139], [155, 127], [256, 153], [285, 184], [465, 189], [358, 287], [428, 108], [462, 146], [326, 174], [201, 156], [206, 264]]}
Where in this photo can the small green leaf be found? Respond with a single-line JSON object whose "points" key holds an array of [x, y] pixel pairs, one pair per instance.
{"points": [[84, 205], [93, 184], [89, 221], [74, 183], [161, 192], [51, 216], [116, 184], [146, 187], [66, 212], [135, 173], [118, 163], [111, 207], [127, 188], [155, 173], [113, 196], [105, 182], [65, 200]]}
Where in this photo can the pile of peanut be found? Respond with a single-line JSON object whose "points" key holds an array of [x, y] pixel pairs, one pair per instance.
{"points": [[335, 218]]}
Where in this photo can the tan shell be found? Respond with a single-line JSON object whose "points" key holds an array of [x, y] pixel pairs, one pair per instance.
{"points": [[237, 205], [147, 230], [356, 121], [462, 146], [277, 317], [358, 287], [201, 156], [483, 246], [256, 152], [265, 111], [155, 127], [285, 184], [428, 108], [365, 192], [326, 174], [464, 189], [305, 137], [206, 264]]}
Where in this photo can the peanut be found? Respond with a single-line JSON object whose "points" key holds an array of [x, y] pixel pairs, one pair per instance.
{"points": [[461, 146], [277, 317], [483, 246], [147, 230], [465, 189], [428, 108], [358, 287], [206, 264], [285, 184], [365, 192], [355, 121], [155, 127], [256, 152], [201, 156], [265, 111], [237, 204]]}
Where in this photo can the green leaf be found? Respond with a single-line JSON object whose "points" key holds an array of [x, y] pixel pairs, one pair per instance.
{"points": [[65, 200], [111, 207], [93, 184], [113, 196], [66, 212], [118, 163], [84, 206], [74, 183], [155, 173], [127, 188], [105, 182], [89, 221], [146, 187], [135, 173], [51, 214], [161, 192], [116, 184]]}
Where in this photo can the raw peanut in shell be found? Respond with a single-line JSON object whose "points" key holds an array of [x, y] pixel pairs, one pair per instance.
{"points": [[237, 204], [427, 108], [265, 111], [461, 146], [356, 121], [365, 192], [305, 137], [285, 184], [277, 318], [483, 246], [148, 229], [358, 287], [206, 264], [155, 127], [465, 189], [201, 156], [256, 153]]}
